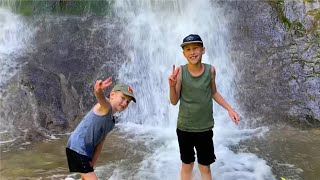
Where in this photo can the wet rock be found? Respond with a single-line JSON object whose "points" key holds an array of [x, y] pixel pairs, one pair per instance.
{"points": [[275, 46], [53, 89]]}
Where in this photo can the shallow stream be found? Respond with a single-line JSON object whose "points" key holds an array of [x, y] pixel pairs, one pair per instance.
{"points": [[291, 153]]}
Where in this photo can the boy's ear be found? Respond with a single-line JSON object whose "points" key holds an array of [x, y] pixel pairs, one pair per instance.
{"points": [[203, 50], [112, 93]]}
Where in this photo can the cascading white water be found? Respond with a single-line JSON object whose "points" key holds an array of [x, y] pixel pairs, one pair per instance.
{"points": [[15, 36], [153, 32]]}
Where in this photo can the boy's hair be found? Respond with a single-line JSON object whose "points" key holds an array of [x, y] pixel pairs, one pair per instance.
{"points": [[191, 38]]}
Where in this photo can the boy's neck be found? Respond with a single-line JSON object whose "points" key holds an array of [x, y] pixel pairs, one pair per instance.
{"points": [[195, 69], [112, 108]]}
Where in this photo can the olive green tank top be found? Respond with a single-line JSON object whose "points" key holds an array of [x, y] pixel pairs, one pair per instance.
{"points": [[195, 110]]}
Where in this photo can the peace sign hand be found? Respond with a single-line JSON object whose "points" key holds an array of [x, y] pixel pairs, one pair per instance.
{"points": [[100, 85], [173, 77]]}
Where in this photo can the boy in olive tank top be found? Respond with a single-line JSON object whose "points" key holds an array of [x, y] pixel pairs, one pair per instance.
{"points": [[86, 141], [194, 85]]}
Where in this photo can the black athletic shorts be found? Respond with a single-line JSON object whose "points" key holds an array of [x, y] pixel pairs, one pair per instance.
{"points": [[201, 141], [78, 162]]}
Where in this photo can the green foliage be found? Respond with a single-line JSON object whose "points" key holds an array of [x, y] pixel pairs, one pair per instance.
{"points": [[316, 22], [73, 7], [295, 26], [298, 28], [315, 13], [276, 2], [309, 1], [279, 7]]}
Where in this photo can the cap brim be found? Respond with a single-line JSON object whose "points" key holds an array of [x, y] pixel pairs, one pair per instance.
{"points": [[191, 42], [133, 98]]}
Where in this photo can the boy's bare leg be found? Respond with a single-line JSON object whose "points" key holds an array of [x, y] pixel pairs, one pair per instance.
{"points": [[205, 172], [186, 171], [89, 176]]}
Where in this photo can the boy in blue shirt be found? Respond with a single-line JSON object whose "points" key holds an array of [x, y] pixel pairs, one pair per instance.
{"points": [[86, 141]]}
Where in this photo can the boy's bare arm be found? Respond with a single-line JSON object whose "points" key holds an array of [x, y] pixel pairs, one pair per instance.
{"points": [[103, 103], [220, 100], [175, 85]]}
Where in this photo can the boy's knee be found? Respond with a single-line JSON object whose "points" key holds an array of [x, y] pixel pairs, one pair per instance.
{"points": [[89, 176], [204, 169], [187, 167]]}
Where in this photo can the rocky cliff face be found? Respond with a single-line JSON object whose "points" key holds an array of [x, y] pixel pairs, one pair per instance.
{"points": [[53, 89], [276, 49]]}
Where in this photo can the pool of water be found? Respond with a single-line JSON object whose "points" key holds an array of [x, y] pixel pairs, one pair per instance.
{"points": [[292, 153], [47, 160]]}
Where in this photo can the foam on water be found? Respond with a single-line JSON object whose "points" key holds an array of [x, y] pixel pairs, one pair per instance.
{"points": [[153, 33]]}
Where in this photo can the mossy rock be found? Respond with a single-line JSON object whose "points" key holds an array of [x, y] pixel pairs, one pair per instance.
{"points": [[71, 7]]}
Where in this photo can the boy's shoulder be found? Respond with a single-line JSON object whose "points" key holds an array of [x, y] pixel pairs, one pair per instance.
{"points": [[99, 110], [208, 65]]}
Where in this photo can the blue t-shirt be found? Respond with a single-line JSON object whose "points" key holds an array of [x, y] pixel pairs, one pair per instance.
{"points": [[91, 130]]}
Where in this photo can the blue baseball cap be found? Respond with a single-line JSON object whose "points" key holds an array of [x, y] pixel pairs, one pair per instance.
{"points": [[191, 38]]}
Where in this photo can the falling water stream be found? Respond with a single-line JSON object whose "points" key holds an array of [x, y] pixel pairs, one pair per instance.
{"points": [[15, 37], [154, 31]]}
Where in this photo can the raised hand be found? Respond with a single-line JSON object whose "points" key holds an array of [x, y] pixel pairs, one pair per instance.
{"points": [[102, 85], [173, 76]]}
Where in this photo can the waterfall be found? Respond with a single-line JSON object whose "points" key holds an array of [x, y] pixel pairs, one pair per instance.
{"points": [[15, 37], [153, 32]]}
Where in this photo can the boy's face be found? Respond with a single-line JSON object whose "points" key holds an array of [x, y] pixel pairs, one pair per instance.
{"points": [[193, 52], [119, 101]]}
